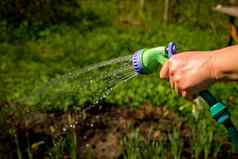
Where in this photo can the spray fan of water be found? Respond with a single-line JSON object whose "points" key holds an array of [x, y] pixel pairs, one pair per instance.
{"points": [[87, 85]]}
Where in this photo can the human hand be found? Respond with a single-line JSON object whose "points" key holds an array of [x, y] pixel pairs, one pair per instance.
{"points": [[189, 72]]}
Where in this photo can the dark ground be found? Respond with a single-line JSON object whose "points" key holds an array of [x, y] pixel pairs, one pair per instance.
{"points": [[97, 131]]}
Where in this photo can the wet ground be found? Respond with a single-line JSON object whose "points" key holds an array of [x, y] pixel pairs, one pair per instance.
{"points": [[96, 132]]}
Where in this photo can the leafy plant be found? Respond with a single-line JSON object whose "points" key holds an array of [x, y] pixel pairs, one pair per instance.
{"points": [[135, 147], [176, 144]]}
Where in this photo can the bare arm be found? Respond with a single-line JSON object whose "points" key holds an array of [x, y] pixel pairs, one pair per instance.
{"points": [[191, 72], [225, 64]]}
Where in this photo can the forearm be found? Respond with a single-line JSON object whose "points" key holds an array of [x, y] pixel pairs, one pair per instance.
{"points": [[225, 64]]}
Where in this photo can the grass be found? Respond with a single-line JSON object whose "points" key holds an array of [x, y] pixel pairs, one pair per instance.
{"points": [[71, 49], [176, 144], [205, 142], [135, 147]]}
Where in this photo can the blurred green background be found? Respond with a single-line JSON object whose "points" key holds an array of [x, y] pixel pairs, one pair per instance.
{"points": [[43, 39]]}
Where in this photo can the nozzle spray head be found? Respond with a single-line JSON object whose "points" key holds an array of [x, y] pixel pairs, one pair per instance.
{"points": [[145, 61]]}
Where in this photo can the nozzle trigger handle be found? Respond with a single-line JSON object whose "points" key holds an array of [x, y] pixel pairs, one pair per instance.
{"points": [[171, 49]]}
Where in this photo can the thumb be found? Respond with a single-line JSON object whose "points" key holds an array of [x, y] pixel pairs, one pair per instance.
{"points": [[164, 72]]}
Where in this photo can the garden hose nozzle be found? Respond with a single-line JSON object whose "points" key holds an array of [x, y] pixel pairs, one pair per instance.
{"points": [[145, 61]]}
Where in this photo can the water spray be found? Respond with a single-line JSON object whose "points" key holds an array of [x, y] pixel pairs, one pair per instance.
{"points": [[146, 61]]}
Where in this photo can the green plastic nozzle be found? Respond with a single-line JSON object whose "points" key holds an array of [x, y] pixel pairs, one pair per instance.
{"points": [[151, 59]]}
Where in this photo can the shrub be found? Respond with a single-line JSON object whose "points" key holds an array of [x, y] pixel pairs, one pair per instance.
{"points": [[39, 11]]}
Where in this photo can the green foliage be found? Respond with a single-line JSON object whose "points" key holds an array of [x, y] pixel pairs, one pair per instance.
{"points": [[176, 144], [23, 20], [39, 11], [31, 64], [204, 142], [135, 147], [60, 49], [57, 151], [205, 134], [199, 14], [62, 145]]}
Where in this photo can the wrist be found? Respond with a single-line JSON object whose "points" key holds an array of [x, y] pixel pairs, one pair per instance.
{"points": [[215, 66], [224, 64]]}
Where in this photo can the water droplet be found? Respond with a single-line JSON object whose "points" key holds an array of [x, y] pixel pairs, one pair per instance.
{"points": [[93, 83], [64, 129]]}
